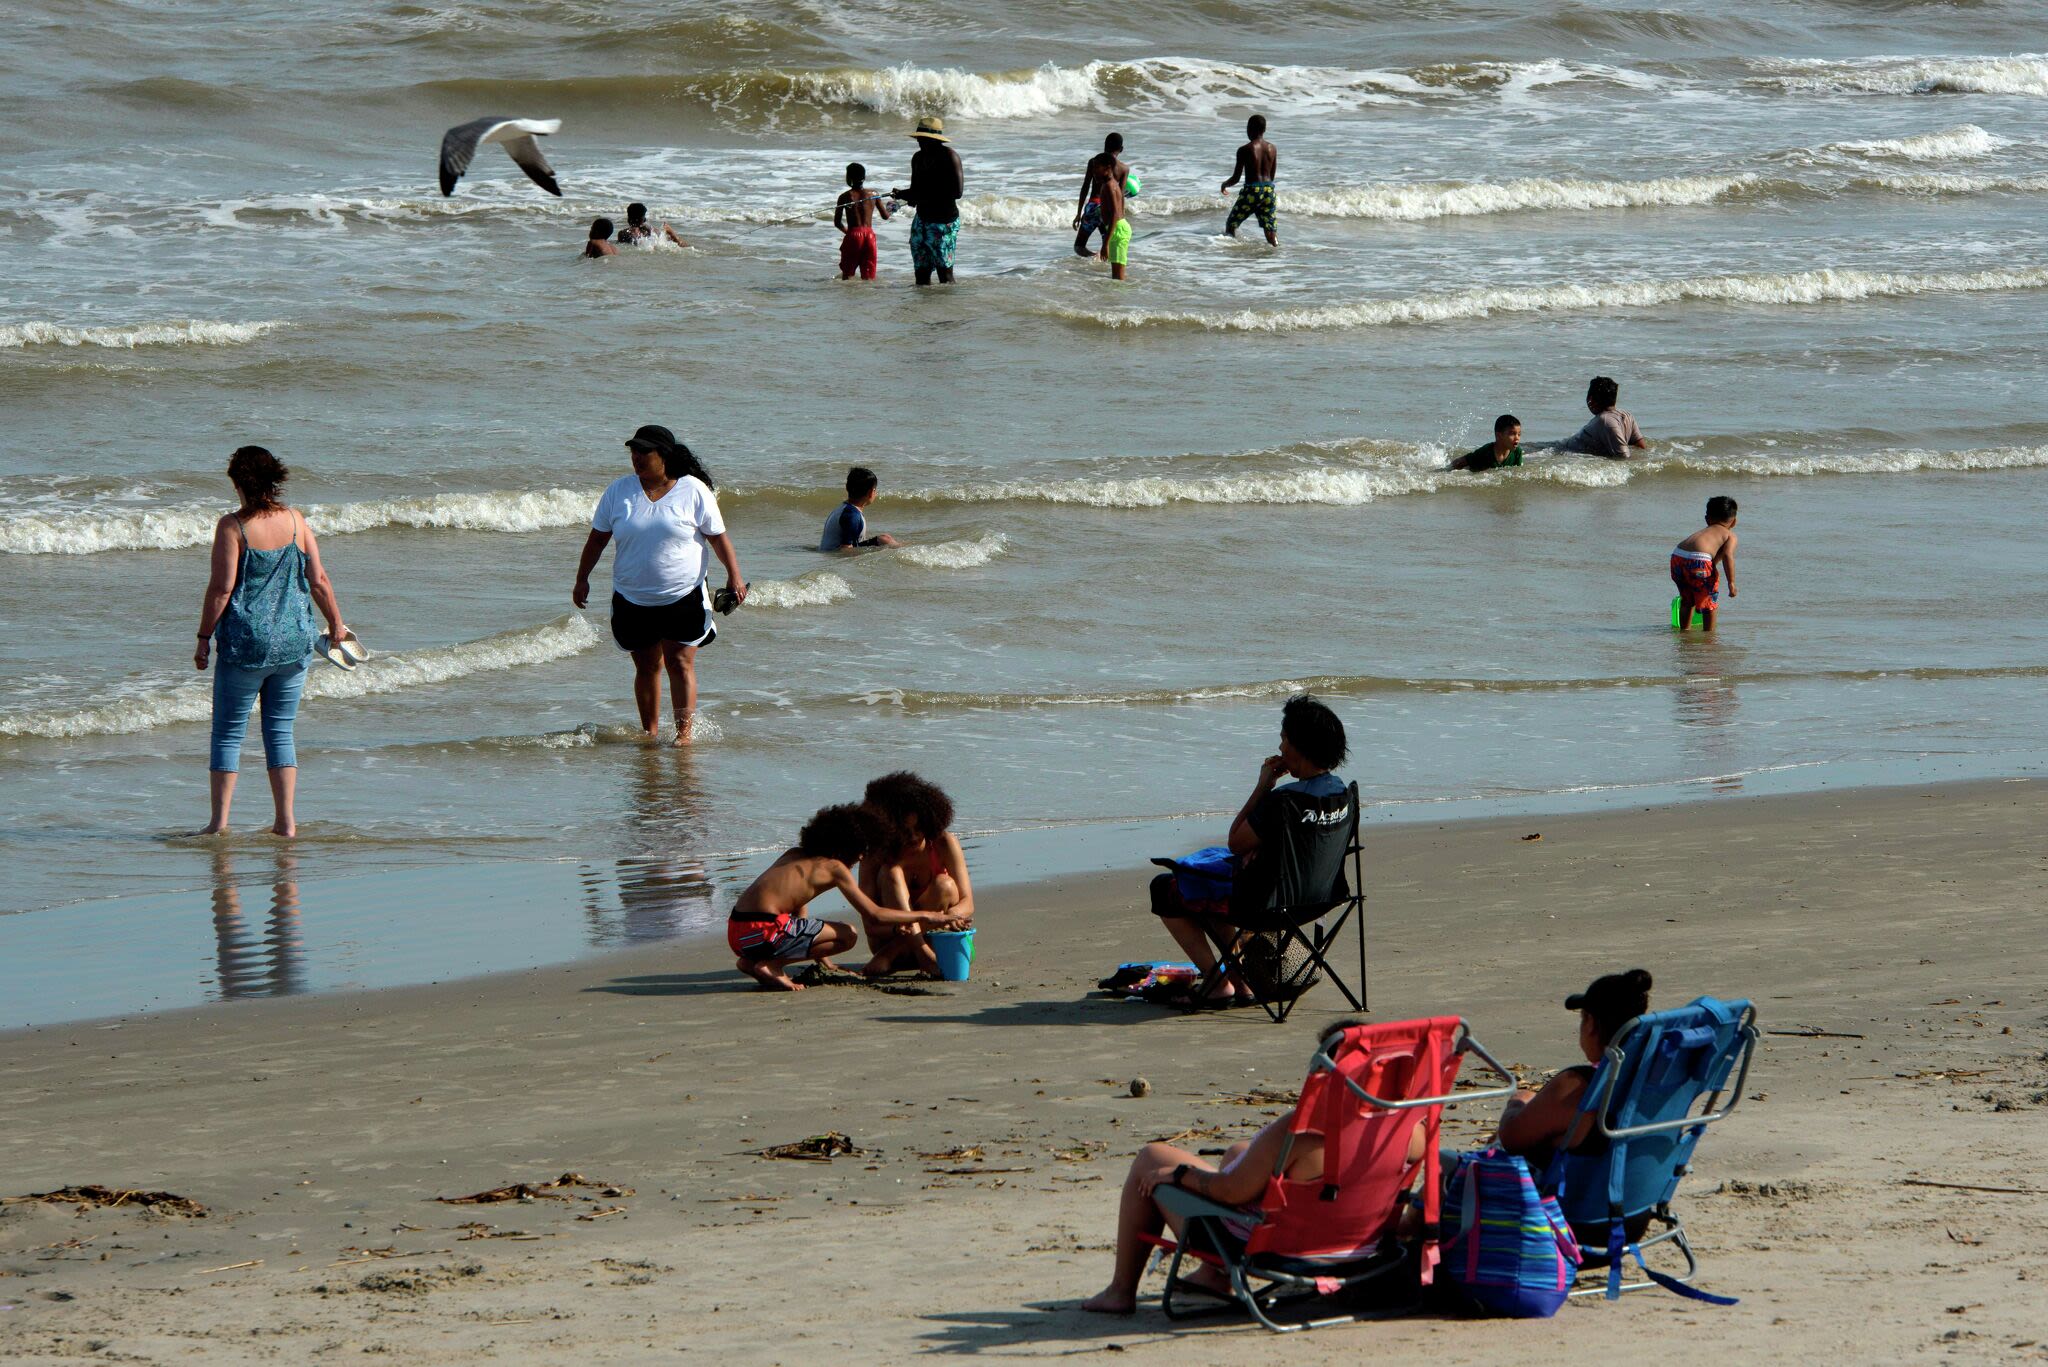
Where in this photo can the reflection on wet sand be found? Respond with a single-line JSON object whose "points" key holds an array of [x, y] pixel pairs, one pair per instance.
{"points": [[265, 962], [1706, 705], [660, 890]]}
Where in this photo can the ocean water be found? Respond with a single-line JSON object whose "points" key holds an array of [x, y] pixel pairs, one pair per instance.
{"points": [[1806, 238]]}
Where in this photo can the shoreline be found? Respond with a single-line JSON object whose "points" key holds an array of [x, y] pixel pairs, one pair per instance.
{"points": [[515, 915], [318, 1131]]}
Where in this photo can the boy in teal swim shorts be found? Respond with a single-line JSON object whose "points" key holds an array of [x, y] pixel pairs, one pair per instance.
{"points": [[1257, 163]]}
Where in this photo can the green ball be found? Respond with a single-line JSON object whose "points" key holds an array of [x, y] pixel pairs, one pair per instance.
{"points": [[1132, 185]]}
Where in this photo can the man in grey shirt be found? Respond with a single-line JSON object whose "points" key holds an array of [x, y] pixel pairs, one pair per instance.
{"points": [[1611, 432]]}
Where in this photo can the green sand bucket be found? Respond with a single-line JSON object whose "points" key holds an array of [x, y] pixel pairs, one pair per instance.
{"points": [[955, 951]]}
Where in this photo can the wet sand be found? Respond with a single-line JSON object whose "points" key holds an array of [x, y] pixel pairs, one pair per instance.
{"points": [[1905, 924]]}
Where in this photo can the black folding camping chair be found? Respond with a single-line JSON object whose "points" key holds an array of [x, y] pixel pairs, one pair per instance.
{"points": [[1288, 919]]}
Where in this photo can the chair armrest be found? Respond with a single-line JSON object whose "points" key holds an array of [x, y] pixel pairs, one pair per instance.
{"points": [[1189, 1206]]}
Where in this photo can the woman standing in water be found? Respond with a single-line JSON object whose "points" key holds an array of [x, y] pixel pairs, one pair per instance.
{"points": [[663, 516], [259, 603]]}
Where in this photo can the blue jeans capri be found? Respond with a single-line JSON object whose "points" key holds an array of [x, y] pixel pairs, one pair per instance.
{"points": [[235, 691]]}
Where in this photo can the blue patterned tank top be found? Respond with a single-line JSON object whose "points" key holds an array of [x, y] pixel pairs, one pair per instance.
{"points": [[269, 621]]}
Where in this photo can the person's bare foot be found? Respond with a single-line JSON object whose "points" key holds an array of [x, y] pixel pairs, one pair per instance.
{"points": [[683, 734], [288, 832], [210, 830], [770, 979], [1110, 1301], [1208, 1279]]}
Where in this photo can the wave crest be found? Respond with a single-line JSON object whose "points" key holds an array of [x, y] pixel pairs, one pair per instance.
{"points": [[183, 332], [163, 529], [168, 704], [2023, 73], [1960, 143], [954, 555], [1790, 288], [814, 590]]}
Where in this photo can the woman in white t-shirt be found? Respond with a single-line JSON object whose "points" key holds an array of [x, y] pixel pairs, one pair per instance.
{"points": [[663, 515]]}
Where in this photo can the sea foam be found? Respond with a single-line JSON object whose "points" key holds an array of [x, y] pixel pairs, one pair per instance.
{"points": [[188, 332], [814, 590], [1396, 201], [2018, 74], [87, 532], [158, 704], [954, 555], [1963, 142], [1789, 288]]}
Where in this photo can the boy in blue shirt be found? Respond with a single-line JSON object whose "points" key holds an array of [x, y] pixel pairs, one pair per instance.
{"points": [[847, 529]]}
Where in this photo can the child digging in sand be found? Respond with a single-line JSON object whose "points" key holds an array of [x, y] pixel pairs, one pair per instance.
{"points": [[1700, 559], [768, 930]]}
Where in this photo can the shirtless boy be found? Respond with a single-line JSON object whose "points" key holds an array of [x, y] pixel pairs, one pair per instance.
{"points": [[1088, 220], [768, 930], [1700, 559], [599, 242], [1257, 163], [854, 216]]}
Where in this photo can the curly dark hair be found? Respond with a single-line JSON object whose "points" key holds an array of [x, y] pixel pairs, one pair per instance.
{"points": [[845, 833], [676, 458], [914, 808], [258, 475]]}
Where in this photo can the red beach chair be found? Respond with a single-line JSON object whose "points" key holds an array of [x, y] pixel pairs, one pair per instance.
{"points": [[1366, 1094]]}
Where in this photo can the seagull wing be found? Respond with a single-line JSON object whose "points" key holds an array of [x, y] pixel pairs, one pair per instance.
{"points": [[458, 146], [524, 150]]}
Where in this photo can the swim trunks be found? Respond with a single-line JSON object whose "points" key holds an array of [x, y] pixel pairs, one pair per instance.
{"points": [[1255, 198], [857, 254], [1120, 243], [932, 244], [785, 937], [1697, 580]]}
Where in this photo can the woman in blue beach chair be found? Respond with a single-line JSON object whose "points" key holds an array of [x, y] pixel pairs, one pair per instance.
{"points": [[1537, 1125]]}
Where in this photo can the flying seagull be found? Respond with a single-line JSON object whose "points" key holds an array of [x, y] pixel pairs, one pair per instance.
{"points": [[459, 144]]}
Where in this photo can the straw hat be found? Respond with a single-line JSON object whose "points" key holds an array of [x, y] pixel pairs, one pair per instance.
{"points": [[931, 126]]}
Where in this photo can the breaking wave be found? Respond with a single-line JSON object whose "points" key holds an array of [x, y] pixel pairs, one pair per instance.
{"points": [[189, 332], [1961, 143], [156, 705], [1152, 83], [2019, 74], [1398, 202], [1797, 287], [813, 590], [954, 555], [1950, 183], [192, 524]]}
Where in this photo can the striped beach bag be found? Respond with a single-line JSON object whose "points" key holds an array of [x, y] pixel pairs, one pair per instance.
{"points": [[1513, 1253]]}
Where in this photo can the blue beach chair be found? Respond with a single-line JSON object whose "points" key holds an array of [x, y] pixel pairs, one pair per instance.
{"points": [[1654, 1093]]}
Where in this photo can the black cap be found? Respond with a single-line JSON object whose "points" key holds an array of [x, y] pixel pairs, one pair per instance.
{"points": [[1613, 1000], [653, 437]]}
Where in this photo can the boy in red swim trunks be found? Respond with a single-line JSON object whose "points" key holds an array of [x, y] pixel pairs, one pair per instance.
{"points": [[768, 930], [855, 216], [1700, 559]]}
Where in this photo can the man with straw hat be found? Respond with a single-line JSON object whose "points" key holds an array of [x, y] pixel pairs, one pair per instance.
{"points": [[936, 184]]}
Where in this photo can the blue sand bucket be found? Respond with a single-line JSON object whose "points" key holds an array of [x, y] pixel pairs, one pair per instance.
{"points": [[955, 951]]}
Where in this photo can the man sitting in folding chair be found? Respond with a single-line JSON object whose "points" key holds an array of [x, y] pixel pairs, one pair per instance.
{"points": [[1284, 874]]}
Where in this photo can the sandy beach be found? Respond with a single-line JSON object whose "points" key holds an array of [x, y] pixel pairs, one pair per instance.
{"points": [[1887, 937]]}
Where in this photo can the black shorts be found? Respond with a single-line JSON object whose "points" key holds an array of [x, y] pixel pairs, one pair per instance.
{"points": [[687, 621]]}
